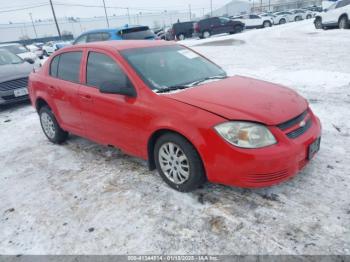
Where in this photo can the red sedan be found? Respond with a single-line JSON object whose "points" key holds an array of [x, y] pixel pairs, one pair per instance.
{"points": [[179, 111]]}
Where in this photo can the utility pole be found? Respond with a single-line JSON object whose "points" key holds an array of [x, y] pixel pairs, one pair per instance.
{"points": [[260, 5], [128, 15], [211, 7], [104, 6], [31, 18], [189, 8], [54, 17]]}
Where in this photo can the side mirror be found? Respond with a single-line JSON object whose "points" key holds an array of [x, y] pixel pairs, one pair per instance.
{"points": [[120, 87], [29, 60]]}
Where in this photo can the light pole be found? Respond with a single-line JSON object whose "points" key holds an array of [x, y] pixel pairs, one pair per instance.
{"points": [[31, 18], [104, 6], [211, 7], [54, 17]]}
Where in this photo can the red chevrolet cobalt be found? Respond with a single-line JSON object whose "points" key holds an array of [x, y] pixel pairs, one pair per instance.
{"points": [[171, 106]]}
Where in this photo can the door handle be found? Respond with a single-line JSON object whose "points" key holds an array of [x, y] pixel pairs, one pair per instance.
{"points": [[86, 98]]}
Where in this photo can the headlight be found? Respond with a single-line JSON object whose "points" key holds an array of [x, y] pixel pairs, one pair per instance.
{"points": [[246, 134]]}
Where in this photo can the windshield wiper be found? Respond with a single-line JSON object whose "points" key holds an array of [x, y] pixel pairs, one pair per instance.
{"points": [[171, 88], [195, 83], [180, 87]]}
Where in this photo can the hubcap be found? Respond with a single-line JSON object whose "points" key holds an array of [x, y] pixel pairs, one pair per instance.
{"points": [[181, 37], [48, 125], [206, 34], [174, 163]]}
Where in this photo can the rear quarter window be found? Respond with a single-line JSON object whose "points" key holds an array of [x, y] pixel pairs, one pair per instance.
{"points": [[54, 66]]}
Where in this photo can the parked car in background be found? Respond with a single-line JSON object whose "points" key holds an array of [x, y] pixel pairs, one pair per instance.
{"points": [[37, 50], [182, 30], [21, 51], [302, 14], [336, 16], [137, 96], [216, 25], [254, 21], [122, 33], [14, 72], [285, 17], [50, 47]]}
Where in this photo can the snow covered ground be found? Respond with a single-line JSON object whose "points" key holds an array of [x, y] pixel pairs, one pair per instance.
{"points": [[82, 198]]}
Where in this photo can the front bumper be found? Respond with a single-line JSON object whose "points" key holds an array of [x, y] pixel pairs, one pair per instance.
{"points": [[252, 168]]}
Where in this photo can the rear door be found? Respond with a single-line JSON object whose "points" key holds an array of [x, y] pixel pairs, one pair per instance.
{"points": [[65, 71], [255, 21]]}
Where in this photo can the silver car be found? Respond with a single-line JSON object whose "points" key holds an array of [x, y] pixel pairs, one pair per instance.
{"points": [[14, 72]]}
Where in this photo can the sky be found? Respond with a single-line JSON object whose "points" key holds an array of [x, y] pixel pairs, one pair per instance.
{"points": [[64, 10]]}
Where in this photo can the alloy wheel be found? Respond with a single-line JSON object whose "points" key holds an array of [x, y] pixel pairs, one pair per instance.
{"points": [[174, 163], [48, 125]]}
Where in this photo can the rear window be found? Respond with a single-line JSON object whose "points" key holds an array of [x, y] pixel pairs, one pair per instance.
{"points": [[136, 33]]}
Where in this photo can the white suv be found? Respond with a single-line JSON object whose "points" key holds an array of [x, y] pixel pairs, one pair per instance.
{"points": [[337, 15]]}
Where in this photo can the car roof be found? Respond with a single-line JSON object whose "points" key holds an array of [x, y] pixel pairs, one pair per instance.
{"points": [[111, 30], [9, 44], [122, 45]]}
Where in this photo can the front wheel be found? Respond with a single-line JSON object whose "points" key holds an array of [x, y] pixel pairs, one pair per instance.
{"points": [[178, 163], [308, 16], [282, 21], [318, 23], [50, 126], [206, 34], [238, 28], [343, 23]]}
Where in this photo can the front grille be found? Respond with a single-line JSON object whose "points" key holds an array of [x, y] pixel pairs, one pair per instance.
{"points": [[301, 130], [14, 84], [270, 177], [292, 122], [12, 97]]}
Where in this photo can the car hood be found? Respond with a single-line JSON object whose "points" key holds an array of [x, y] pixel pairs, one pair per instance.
{"points": [[242, 98], [15, 71]]}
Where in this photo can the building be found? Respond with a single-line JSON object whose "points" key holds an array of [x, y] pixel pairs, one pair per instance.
{"points": [[235, 7]]}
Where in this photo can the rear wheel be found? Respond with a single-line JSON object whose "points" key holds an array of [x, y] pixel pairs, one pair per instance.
{"points": [[238, 28], [344, 23], [51, 128], [318, 23], [181, 37], [308, 16], [282, 21], [178, 163], [206, 34], [267, 24], [297, 18]]}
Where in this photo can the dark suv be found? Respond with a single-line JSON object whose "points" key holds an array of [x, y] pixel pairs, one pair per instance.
{"points": [[182, 30], [217, 25]]}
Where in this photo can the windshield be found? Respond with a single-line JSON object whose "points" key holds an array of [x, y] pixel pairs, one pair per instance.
{"points": [[16, 49], [171, 66], [137, 33], [7, 58]]}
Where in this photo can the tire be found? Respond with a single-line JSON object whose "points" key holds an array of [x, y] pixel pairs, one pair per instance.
{"points": [[308, 16], [343, 23], [267, 24], [282, 21], [318, 23], [238, 29], [297, 18], [182, 169], [50, 127], [206, 34], [181, 37]]}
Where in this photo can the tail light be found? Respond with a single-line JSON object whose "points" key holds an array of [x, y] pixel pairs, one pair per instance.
{"points": [[196, 27]]}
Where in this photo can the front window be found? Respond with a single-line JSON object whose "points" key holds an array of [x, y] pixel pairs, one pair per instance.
{"points": [[16, 49], [136, 33], [171, 67], [7, 58]]}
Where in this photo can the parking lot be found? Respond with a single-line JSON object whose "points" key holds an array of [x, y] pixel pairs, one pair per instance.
{"points": [[83, 198]]}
